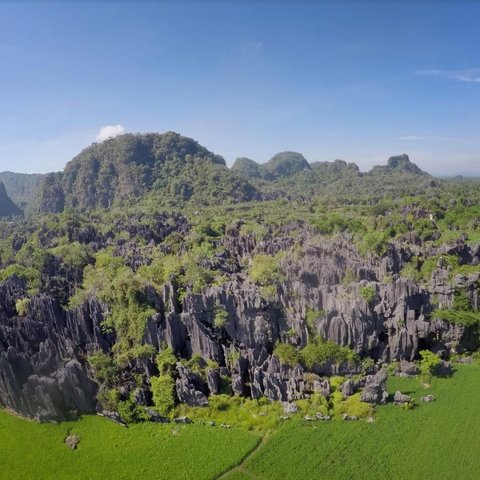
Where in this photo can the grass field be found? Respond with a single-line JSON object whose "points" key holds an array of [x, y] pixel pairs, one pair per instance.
{"points": [[30, 451], [439, 440]]}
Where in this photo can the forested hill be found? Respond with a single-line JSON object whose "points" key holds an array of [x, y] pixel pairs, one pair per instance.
{"points": [[171, 168], [283, 164], [399, 163], [7, 207]]}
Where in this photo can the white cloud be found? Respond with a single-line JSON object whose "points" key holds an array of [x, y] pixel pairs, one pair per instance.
{"points": [[471, 75], [109, 131]]}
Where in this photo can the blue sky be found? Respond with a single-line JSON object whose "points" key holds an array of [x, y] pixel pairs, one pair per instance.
{"points": [[358, 81]]}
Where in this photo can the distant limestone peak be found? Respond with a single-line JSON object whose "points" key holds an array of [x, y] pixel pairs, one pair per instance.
{"points": [[248, 167], [7, 207], [284, 164], [337, 166], [403, 163], [398, 164]]}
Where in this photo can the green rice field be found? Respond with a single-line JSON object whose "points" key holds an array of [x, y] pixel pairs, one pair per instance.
{"points": [[439, 440], [32, 451]]}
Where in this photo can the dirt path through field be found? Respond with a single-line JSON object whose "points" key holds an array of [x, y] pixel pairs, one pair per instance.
{"points": [[240, 466]]}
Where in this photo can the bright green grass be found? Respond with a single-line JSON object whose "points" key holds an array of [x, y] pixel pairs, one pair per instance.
{"points": [[32, 451], [439, 440]]}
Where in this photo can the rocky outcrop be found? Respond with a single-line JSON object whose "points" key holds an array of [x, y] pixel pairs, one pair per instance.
{"points": [[42, 355], [406, 369], [190, 388], [375, 390], [427, 398], [400, 398], [348, 388], [72, 441], [114, 417], [43, 368]]}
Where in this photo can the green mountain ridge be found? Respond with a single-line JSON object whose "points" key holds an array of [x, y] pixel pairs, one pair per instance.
{"points": [[171, 170], [286, 164], [283, 164]]}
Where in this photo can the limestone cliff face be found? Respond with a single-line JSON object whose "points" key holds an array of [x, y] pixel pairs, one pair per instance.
{"points": [[44, 374]]}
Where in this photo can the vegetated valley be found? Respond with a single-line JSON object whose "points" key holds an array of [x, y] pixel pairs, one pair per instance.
{"points": [[260, 321]]}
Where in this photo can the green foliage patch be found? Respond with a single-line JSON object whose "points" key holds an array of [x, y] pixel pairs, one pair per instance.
{"points": [[462, 312], [163, 393], [220, 316], [128, 309], [374, 242], [103, 366], [458, 317], [265, 271], [21, 306], [320, 351], [311, 318], [287, 354], [368, 293], [31, 275], [428, 364], [257, 415], [352, 406]]}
